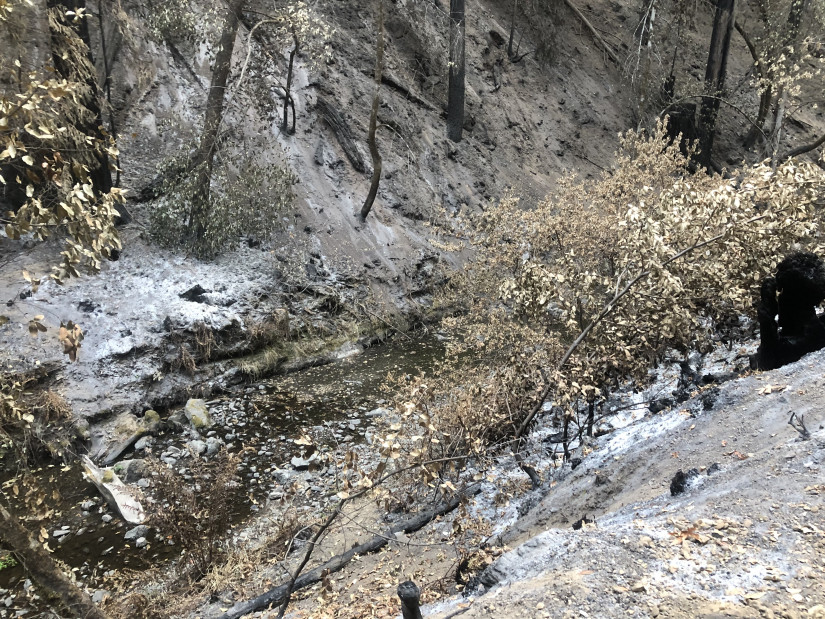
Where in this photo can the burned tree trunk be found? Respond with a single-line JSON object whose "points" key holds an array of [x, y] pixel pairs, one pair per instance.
{"points": [[410, 596], [204, 156], [455, 88], [288, 89], [510, 52], [376, 100], [715, 71]]}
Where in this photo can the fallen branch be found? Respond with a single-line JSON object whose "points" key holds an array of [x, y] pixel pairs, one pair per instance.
{"points": [[395, 84], [279, 593], [314, 542], [56, 589], [594, 32], [797, 422], [801, 150], [342, 132]]}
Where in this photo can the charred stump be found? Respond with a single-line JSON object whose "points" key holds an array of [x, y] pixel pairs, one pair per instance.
{"points": [[788, 323]]}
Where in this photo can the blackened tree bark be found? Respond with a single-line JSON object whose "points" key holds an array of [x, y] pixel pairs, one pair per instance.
{"points": [[53, 584], [204, 156], [715, 71], [288, 88], [455, 88], [376, 100], [80, 67]]}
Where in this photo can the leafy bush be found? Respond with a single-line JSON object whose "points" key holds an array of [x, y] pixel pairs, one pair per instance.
{"points": [[253, 199]]}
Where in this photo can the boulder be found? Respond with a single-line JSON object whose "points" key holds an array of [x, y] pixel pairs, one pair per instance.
{"points": [[130, 470], [139, 531], [197, 412], [213, 445]]}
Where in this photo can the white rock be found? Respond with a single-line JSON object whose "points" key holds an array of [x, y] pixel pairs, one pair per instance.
{"points": [[197, 412]]}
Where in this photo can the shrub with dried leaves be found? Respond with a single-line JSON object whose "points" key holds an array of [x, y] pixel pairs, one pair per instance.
{"points": [[592, 285]]}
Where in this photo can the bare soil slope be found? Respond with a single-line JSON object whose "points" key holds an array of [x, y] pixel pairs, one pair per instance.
{"points": [[745, 540]]}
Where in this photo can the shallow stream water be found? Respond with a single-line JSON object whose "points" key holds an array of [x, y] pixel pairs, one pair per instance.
{"points": [[339, 400]]}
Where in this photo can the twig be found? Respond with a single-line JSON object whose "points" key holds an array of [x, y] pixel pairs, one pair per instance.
{"points": [[291, 586], [797, 422], [535, 479], [396, 329], [593, 163]]}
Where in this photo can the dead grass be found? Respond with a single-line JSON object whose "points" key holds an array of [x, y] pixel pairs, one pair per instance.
{"points": [[204, 340], [184, 360]]}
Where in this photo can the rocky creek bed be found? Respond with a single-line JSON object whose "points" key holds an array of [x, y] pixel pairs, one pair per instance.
{"points": [[337, 404]]}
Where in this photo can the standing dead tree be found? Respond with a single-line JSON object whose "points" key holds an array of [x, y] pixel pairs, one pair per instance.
{"points": [[715, 71], [376, 101], [205, 155], [455, 88]]}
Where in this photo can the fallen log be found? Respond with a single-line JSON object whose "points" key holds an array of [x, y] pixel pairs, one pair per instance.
{"points": [[395, 84], [412, 524], [342, 132]]}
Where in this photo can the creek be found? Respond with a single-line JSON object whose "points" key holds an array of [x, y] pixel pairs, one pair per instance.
{"points": [[339, 402]]}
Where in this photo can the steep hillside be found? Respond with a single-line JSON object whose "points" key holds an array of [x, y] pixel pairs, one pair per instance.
{"points": [[557, 108], [162, 326]]}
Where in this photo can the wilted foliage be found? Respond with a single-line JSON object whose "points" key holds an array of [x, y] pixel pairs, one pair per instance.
{"points": [[177, 22], [31, 425], [595, 283], [46, 158]]}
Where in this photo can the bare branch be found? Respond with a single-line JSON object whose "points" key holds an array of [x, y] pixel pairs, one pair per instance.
{"points": [[797, 422], [805, 148]]}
